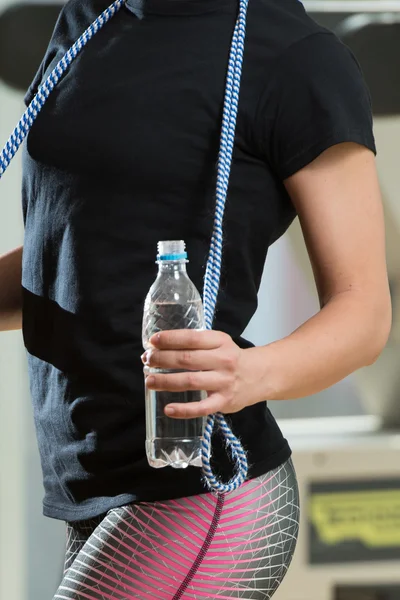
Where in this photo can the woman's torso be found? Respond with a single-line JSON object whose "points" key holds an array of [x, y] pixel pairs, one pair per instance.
{"points": [[122, 156]]}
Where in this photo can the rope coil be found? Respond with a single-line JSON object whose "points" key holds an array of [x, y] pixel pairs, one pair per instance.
{"points": [[214, 262]]}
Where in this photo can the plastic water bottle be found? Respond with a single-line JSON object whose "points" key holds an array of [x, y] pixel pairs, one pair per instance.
{"points": [[173, 302]]}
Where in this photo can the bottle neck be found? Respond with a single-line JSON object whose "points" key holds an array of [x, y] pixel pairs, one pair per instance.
{"points": [[171, 267]]}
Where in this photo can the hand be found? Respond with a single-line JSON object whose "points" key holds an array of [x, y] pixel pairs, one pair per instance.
{"points": [[213, 363]]}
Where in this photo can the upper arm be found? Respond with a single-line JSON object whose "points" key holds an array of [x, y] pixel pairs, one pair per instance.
{"points": [[317, 135], [337, 198]]}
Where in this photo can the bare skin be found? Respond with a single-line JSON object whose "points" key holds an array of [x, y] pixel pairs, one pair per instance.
{"points": [[338, 201], [10, 290]]}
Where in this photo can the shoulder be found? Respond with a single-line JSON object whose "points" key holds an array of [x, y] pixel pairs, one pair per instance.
{"points": [[282, 39], [74, 18], [324, 76], [313, 97], [274, 26], [320, 55]]}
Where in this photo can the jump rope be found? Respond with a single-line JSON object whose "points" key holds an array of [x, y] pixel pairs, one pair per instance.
{"points": [[213, 268]]}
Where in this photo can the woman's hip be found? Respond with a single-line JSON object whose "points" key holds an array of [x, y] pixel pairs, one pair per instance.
{"points": [[206, 546]]}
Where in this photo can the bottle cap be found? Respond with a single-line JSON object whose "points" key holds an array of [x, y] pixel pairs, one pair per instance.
{"points": [[171, 250]]}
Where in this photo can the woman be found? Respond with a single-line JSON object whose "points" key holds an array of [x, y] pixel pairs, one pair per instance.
{"points": [[122, 156]]}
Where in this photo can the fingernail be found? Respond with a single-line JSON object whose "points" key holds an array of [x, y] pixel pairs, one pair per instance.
{"points": [[169, 410], [155, 338], [150, 380], [146, 357]]}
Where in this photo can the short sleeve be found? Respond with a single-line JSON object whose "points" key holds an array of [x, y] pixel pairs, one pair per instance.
{"points": [[73, 19], [34, 86], [316, 98], [47, 59]]}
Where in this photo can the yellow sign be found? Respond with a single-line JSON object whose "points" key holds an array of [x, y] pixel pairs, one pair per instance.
{"points": [[372, 517]]}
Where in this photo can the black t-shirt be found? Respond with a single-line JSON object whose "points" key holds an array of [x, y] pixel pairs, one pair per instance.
{"points": [[124, 155]]}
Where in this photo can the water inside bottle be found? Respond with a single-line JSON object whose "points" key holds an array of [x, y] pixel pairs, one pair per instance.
{"points": [[173, 442]]}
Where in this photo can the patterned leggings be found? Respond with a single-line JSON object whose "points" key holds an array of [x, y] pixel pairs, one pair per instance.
{"points": [[201, 547]]}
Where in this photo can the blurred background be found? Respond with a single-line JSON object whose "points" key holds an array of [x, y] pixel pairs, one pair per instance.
{"points": [[346, 441]]}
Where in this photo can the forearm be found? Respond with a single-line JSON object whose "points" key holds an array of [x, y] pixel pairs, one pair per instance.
{"points": [[11, 290], [347, 334]]}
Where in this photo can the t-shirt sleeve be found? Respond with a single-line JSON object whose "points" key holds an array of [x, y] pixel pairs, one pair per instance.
{"points": [[73, 19], [34, 86], [47, 59], [316, 98]]}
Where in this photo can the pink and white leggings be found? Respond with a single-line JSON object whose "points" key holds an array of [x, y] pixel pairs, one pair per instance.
{"points": [[201, 547]]}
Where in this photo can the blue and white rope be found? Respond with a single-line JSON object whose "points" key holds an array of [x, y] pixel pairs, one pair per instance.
{"points": [[214, 263]]}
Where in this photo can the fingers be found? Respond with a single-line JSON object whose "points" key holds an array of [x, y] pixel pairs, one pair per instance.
{"points": [[191, 360], [196, 361], [185, 382], [188, 339], [191, 410]]}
